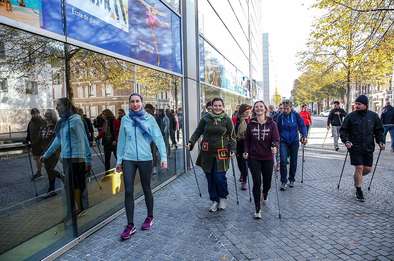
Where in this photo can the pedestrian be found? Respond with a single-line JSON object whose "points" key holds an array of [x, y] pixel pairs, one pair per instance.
{"points": [[88, 126], [109, 137], [277, 113], [75, 152], [137, 130], [234, 116], [359, 130], [180, 123], [242, 120], [149, 108], [387, 118], [217, 146], [261, 143], [47, 134], [290, 124], [208, 109], [121, 113], [335, 119], [306, 116], [33, 139]]}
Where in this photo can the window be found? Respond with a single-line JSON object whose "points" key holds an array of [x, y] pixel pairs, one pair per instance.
{"points": [[31, 87], [3, 85]]}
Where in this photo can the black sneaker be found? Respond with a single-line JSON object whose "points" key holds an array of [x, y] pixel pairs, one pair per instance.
{"points": [[283, 187], [36, 176], [291, 184], [336, 149], [360, 195]]}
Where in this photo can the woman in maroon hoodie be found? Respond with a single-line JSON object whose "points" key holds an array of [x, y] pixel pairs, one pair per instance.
{"points": [[261, 141]]}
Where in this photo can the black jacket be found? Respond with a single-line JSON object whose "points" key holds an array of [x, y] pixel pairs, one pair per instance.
{"points": [[334, 119], [360, 128], [387, 116]]}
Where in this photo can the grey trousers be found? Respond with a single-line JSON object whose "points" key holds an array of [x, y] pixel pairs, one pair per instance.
{"points": [[335, 135]]}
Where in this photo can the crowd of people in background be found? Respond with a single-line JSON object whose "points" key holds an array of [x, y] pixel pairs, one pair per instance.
{"points": [[141, 139]]}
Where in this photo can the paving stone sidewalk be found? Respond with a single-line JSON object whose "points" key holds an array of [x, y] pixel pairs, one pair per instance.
{"points": [[318, 221]]}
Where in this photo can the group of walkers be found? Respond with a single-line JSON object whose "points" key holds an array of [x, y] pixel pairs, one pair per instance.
{"points": [[256, 135]]}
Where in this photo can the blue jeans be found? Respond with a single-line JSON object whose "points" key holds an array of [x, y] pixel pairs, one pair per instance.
{"points": [[217, 184], [391, 131], [292, 151]]}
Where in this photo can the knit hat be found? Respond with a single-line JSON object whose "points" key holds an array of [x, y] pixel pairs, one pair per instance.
{"points": [[362, 99]]}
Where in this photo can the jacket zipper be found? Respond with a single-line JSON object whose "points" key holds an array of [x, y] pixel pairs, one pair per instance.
{"points": [[136, 141]]}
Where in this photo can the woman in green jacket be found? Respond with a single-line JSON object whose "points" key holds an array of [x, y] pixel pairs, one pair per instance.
{"points": [[217, 146]]}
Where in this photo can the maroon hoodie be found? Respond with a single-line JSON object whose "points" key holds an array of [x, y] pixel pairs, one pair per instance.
{"points": [[259, 138]]}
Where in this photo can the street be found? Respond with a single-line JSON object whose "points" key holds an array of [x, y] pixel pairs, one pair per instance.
{"points": [[319, 222]]}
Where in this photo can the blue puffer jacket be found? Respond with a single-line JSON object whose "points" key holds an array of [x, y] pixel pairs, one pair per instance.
{"points": [[289, 125], [133, 145], [79, 148]]}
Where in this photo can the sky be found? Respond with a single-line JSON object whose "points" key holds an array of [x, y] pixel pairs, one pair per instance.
{"points": [[288, 23]]}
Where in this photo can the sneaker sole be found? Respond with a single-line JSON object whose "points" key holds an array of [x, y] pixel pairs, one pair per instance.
{"points": [[128, 237]]}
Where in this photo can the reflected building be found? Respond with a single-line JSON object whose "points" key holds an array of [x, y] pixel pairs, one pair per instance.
{"points": [[188, 53]]}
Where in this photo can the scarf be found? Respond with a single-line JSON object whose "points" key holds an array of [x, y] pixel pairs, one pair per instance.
{"points": [[216, 117], [140, 117]]}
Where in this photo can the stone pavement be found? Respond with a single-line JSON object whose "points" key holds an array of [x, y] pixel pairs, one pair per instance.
{"points": [[318, 221]]}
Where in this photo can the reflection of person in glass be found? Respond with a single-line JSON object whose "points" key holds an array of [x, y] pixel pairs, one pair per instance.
{"points": [[153, 21], [75, 152], [47, 134], [137, 131], [33, 137]]}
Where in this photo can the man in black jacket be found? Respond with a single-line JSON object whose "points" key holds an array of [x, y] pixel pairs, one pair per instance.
{"points": [[335, 119], [358, 131], [387, 118]]}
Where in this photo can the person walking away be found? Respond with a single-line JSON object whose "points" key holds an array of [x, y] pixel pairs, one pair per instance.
{"points": [[241, 123], [33, 139], [108, 135], [387, 118], [359, 130], [75, 153], [335, 119], [217, 146], [261, 143], [290, 124], [306, 116], [137, 131], [47, 134]]}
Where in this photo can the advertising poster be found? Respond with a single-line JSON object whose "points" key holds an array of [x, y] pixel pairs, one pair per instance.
{"points": [[144, 30]]}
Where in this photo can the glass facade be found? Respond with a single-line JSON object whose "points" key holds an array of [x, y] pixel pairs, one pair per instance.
{"points": [[40, 213]]}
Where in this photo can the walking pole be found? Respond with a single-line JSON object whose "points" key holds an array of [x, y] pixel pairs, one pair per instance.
{"points": [[343, 167], [31, 170], [247, 173], [325, 138], [276, 184], [194, 170], [373, 174], [302, 165], [235, 180], [99, 153], [95, 177]]}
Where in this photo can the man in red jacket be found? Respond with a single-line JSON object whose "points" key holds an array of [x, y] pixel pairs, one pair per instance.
{"points": [[306, 116]]}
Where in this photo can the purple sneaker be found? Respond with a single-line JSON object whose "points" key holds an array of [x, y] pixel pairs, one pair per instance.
{"points": [[128, 232], [147, 223]]}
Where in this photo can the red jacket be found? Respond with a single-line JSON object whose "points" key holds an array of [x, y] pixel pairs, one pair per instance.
{"points": [[306, 116]]}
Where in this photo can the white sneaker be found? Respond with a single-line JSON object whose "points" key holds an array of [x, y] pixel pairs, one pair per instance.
{"points": [[257, 215], [222, 203], [214, 207]]}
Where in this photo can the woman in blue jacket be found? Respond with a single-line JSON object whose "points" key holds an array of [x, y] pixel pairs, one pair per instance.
{"points": [[137, 131]]}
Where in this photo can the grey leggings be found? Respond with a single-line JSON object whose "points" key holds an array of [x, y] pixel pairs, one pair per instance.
{"points": [[129, 171]]}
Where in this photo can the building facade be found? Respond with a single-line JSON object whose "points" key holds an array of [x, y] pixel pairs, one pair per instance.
{"points": [[266, 67], [177, 54]]}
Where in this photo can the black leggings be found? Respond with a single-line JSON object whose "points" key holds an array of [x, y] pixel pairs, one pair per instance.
{"points": [[129, 171], [260, 168]]}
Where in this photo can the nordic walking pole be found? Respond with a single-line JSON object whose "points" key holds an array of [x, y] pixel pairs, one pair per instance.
{"points": [[235, 180], [194, 170], [31, 170], [373, 174], [325, 138], [302, 164], [99, 153], [95, 177], [247, 173], [343, 167], [276, 183]]}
